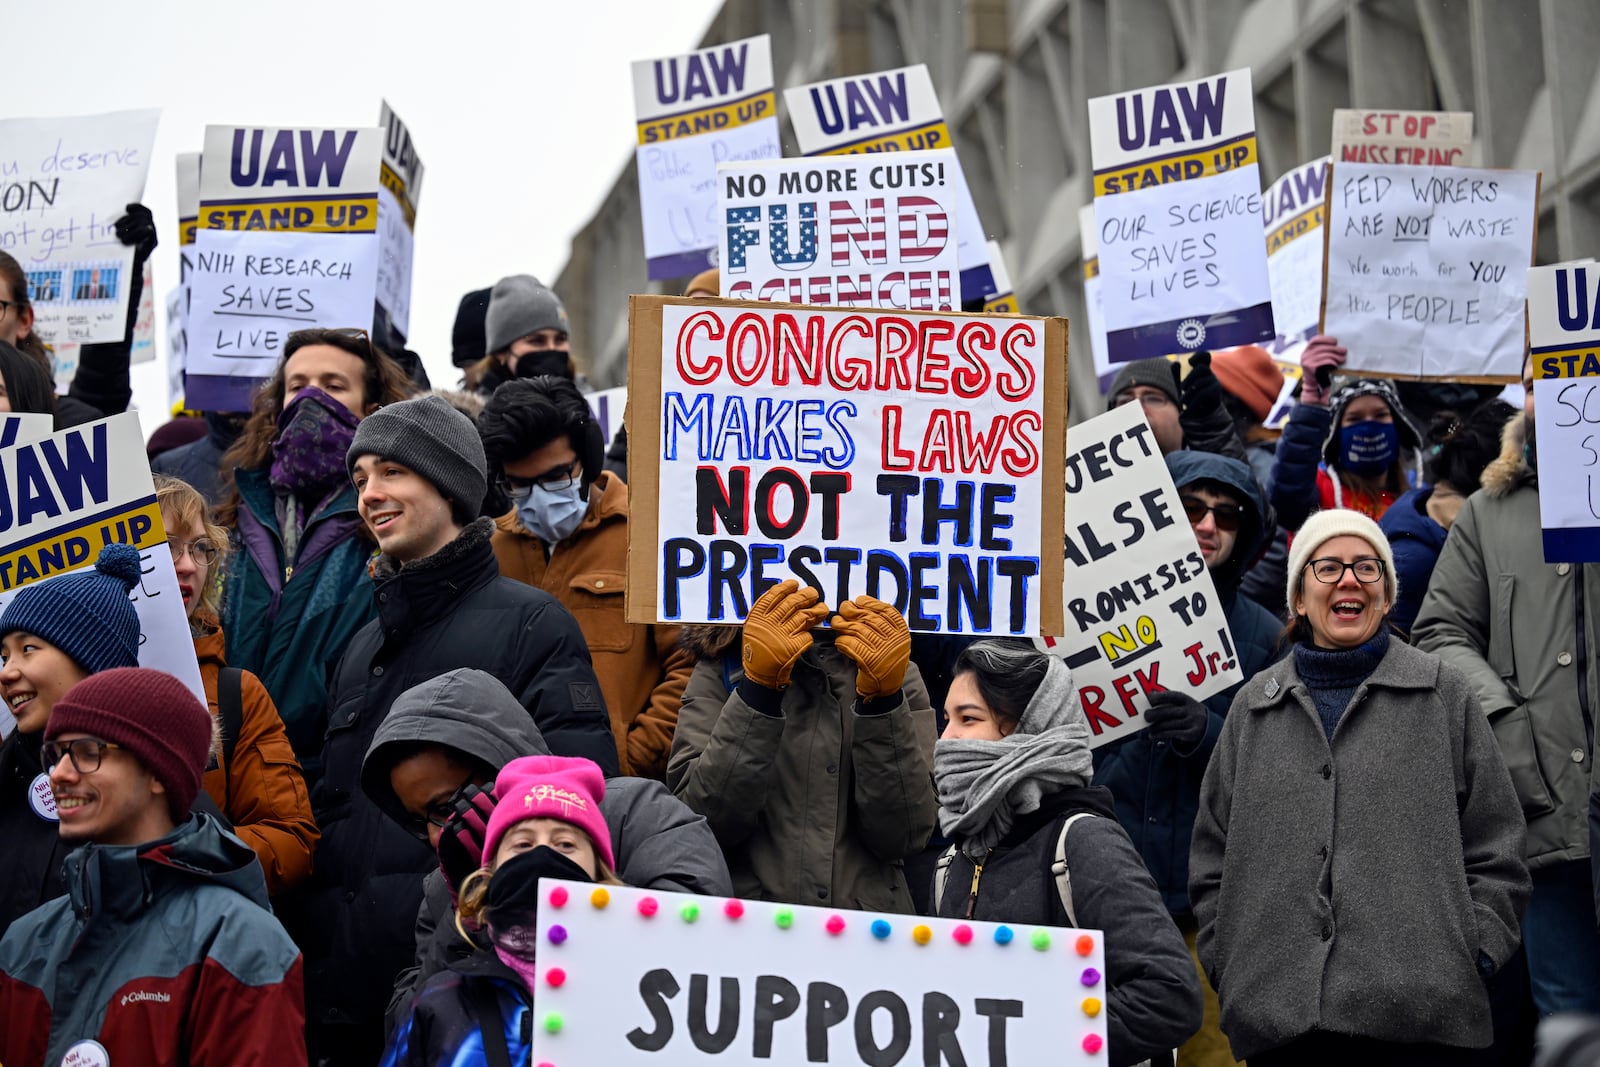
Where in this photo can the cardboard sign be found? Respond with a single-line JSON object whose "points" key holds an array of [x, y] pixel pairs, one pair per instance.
{"points": [[400, 175], [1292, 213], [1093, 298], [696, 112], [897, 454], [1003, 301], [1177, 206], [64, 182], [1564, 341], [1427, 269], [1406, 138], [1141, 612], [853, 231], [635, 976], [891, 111], [287, 240]]}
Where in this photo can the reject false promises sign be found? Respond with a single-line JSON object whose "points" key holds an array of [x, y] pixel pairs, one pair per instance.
{"points": [[1405, 138], [1564, 338], [891, 111], [1178, 205], [1427, 268], [913, 457], [400, 175], [1292, 213], [64, 182], [635, 976], [287, 240], [1141, 612], [696, 112], [868, 231]]}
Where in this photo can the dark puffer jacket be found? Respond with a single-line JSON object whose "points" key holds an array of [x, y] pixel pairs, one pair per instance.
{"points": [[33, 846]]}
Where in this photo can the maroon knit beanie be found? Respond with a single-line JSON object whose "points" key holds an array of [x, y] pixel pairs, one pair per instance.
{"points": [[149, 713]]}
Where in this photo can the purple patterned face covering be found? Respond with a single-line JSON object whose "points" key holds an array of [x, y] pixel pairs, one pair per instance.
{"points": [[314, 433]]}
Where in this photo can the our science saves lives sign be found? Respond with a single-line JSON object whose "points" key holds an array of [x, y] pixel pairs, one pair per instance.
{"points": [[912, 457], [1178, 206]]}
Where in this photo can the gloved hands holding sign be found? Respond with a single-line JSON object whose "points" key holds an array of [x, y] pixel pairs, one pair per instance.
{"points": [[137, 229], [777, 632], [877, 638], [1322, 356], [1176, 717]]}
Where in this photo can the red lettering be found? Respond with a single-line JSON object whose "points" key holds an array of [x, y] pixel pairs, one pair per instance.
{"points": [[1092, 697], [690, 371]]}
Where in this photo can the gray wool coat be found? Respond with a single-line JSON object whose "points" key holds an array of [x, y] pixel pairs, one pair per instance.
{"points": [[1350, 886]]}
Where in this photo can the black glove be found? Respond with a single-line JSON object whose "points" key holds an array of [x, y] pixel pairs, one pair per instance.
{"points": [[461, 839], [1176, 717], [1200, 389], [137, 229]]}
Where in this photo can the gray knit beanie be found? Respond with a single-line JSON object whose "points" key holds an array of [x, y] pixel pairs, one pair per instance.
{"points": [[1155, 372], [518, 306], [431, 437]]}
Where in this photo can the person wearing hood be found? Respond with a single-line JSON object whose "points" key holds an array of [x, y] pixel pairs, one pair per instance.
{"points": [[164, 951], [1037, 845], [1524, 632], [1346, 449], [1251, 383], [199, 462], [430, 768], [1154, 775]]}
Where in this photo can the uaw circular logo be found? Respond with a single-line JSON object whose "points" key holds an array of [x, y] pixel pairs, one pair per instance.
{"points": [[86, 1054], [1191, 333], [41, 800]]}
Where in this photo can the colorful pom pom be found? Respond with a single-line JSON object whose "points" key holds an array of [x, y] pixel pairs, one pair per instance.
{"points": [[690, 912], [558, 934], [1004, 935], [1093, 1043], [552, 1022], [555, 977], [881, 929], [648, 907], [600, 897], [1092, 1006], [733, 909], [784, 918], [921, 934], [835, 925], [558, 897], [1040, 940], [1091, 976], [1084, 944], [962, 934]]}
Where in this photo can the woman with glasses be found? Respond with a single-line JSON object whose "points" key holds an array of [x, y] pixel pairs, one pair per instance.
{"points": [[1357, 869], [253, 775]]}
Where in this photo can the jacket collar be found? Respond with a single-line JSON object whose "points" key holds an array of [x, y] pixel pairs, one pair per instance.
{"points": [[255, 489], [1401, 668], [121, 881], [415, 593], [1510, 471]]}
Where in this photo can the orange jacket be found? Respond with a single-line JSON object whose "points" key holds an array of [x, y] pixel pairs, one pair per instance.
{"points": [[262, 792], [641, 667]]}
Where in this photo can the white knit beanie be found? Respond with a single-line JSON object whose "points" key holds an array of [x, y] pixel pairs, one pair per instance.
{"points": [[1323, 527]]}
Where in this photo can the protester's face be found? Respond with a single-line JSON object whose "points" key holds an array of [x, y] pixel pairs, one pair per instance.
{"points": [[426, 783], [565, 838], [971, 718], [407, 515], [14, 324], [193, 570], [1527, 388], [34, 676], [1349, 611], [543, 342], [333, 370], [1216, 538], [1159, 410], [119, 803], [1366, 409], [548, 461]]}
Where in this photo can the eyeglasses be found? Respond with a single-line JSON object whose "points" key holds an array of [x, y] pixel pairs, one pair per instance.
{"points": [[1330, 571], [558, 480], [1153, 398], [1227, 515], [438, 814], [202, 552], [85, 752], [7, 305]]}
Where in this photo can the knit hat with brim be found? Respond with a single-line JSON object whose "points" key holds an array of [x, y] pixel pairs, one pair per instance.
{"points": [[1323, 527], [1410, 439]]}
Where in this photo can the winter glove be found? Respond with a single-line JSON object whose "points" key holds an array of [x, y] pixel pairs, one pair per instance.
{"points": [[1322, 355], [1176, 717], [461, 839], [877, 638], [1199, 388], [777, 632], [1207, 426], [137, 229]]}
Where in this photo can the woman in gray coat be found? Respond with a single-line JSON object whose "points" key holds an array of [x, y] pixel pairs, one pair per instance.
{"points": [[1357, 864]]}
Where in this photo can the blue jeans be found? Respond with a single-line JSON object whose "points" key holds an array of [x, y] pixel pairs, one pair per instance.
{"points": [[1562, 942]]}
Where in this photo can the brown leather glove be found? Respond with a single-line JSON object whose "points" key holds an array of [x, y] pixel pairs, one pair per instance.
{"points": [[778, 631], [876, 636]]}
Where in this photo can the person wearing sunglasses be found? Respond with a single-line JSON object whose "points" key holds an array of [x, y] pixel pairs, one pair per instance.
{"points": [[253, 775], [1154, 775], [1357, 867]]}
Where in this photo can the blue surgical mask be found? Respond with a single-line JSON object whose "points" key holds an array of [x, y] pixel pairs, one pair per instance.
{"points": [[1368, 448], [551, 516]]}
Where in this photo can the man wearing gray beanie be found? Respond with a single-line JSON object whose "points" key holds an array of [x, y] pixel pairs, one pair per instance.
{"points": [[525, 332]]}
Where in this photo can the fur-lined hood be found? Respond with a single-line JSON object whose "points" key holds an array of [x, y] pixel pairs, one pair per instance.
{"points": [[1510, 471], [708, 641]]}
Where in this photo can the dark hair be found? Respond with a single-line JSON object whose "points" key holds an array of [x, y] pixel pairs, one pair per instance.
{"points": [[526, 414], [383, 383], [1461, 446], [1007, 672], [16, 280], [28, 386]]}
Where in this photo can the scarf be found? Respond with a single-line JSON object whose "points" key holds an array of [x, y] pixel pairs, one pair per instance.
{"points": [[314, 433], [984, 785]]}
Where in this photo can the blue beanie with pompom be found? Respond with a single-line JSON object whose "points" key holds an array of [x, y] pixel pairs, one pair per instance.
{"points": [[86, 614]]}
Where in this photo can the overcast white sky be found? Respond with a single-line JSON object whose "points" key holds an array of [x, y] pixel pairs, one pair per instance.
{"points": [[522, 111]]}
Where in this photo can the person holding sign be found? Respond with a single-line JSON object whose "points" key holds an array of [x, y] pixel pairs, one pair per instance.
{"points": [[1036, 844], [809, 754], [1357, 867]]}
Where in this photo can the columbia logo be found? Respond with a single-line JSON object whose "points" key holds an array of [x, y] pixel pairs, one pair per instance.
{"points": [[142, 995]]}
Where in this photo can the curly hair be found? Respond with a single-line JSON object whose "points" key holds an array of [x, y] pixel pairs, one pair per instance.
{"points": [[182, 504]]}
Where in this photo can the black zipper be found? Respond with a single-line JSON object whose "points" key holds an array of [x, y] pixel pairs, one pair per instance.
{"points": [[972, 894], [1582, 653]]}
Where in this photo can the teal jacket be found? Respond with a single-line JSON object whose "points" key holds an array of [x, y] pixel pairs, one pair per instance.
{"points": [[289, 627]]}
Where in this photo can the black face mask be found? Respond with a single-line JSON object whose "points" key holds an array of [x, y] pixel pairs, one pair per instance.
{"points": [[512, 905], [547, 361]]}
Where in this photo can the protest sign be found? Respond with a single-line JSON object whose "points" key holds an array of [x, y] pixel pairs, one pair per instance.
{"points": [[1405, 138], [1292, 213], [1003, 301], [897, 454], [287, 240], [1177, 209], [626, 975], [188, 186], [400, 178], [1564, 342], [891, 111], [1426, 269], [870, 231], [608, 406], [64, 183], [696, 112], [1094, 309], [1141, 612], [64, 355]]}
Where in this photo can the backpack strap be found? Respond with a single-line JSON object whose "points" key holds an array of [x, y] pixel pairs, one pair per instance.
{"points": [[1059, 867], [230, 708], [486, 1012], [941, 875]]}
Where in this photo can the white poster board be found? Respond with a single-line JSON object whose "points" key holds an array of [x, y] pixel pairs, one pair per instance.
{"points": [[400, 175], [891, 111], [1093, 298], [633, 976], [1427, 268], [1142, 614], [1404, 138], [696, 112], [873, 231], [1564, 339], [1292, 213]]}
